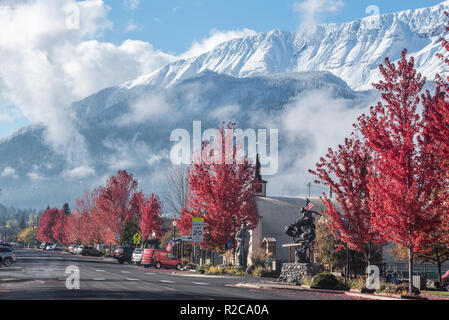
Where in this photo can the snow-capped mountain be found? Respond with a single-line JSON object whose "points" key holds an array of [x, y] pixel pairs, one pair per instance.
{"points": [[309, 86], [351, 51]]}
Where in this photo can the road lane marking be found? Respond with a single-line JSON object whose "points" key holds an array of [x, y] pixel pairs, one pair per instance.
{"points": [[100, 270], [201, 283], [125, 272], [150, 273], [132, 279], [99, 279], [167, 281], [168, 288]]}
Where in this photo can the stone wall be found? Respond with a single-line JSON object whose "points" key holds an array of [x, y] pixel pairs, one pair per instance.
{"points": [[294, 272]]}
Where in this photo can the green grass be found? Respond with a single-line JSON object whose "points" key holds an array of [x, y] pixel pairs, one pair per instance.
{"points": [[438, 293]]}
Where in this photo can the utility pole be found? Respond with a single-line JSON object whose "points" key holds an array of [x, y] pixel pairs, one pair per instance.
{"points": [[309, 185]]}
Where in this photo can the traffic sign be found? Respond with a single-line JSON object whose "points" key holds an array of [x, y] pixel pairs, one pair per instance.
{"points": [[197, 229], [137, 238]]}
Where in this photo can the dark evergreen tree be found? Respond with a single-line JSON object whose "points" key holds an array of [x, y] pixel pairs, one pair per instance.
{"points": [[66, 209]]}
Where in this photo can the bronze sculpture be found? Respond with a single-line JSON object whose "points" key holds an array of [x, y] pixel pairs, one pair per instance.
{"points": [[242, 239], [303, 233]]}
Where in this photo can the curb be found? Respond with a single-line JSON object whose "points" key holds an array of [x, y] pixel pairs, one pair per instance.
{"points": [[201, 276], [305, 288]]}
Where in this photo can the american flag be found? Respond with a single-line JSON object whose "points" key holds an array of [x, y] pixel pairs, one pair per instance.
{"points": [[309, 205]]}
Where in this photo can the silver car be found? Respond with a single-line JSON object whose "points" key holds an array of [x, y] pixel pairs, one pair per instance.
{"points": [[137, 255], [7, 256]]}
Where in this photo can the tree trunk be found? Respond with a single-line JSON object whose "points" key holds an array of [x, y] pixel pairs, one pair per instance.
{"points": [[369, 253], [410, 270]]}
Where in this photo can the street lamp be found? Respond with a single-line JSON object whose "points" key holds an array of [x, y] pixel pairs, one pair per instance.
{"points": [[174, 236]]}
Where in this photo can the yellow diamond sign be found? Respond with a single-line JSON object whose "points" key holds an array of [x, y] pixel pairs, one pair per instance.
{"points": [[137, 238]]}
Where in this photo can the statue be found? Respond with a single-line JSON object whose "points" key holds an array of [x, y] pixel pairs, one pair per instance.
{"points": [[303, 233], [242, 240]]}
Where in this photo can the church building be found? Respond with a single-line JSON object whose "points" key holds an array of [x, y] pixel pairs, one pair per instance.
{"points": [[275, 213]]}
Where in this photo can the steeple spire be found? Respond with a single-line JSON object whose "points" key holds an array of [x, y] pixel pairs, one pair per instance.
{"points": [[260, 184]]}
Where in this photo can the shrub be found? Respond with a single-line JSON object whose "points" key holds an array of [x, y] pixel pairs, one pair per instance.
{"points": [[258, 271], [401, 288], [259, 257], [328, 281], [357, 283], [200, 269], [214, 270], [306, 281]]}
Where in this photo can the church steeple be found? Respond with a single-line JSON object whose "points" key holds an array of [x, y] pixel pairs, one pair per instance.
{"points": [[260, 184]]}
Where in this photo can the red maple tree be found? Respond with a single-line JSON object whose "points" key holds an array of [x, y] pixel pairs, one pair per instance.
{"points": [[220, 191], [149, 210], [346, 172], [45, 225], [404, 175], [59, 228], [114, 201]]}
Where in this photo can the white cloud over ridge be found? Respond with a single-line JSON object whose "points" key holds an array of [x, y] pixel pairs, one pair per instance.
{"points": [[215, 38], [314, 12], [49, 58]]}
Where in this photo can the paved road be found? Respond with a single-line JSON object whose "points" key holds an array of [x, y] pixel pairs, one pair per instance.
{"points": [[41, 275]]}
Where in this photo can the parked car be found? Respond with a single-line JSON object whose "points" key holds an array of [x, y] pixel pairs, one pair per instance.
{"points": [[91, 251], [54, 247], [43, 245], [47, 246], [137, 255], [7, 256], [124, 254], [72, 248], [79, 249], [160, 258]]}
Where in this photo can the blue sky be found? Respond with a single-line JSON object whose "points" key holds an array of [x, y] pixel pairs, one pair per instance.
{"points": [[171, 26]]}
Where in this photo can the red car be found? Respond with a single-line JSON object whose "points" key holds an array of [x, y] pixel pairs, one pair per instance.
{"points": [[160, 258]]}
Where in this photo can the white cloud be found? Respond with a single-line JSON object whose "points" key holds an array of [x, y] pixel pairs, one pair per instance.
{"points": [[311, 123], [35, 176], [147, 107], [9, 114], [9, 172], [314, 12], [79, 173], [215, 38], [47, 62], [132, 4], [226, 113]]}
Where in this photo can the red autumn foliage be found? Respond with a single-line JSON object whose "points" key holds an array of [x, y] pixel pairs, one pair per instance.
{"points": [[346, 171], [59, 229], [220, 191], [45, 225], [437, 107], [149, 210], [405, 174], [114, 201]]}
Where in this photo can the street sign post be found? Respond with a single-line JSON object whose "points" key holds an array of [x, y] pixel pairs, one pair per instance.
{"points": [[197, 229]]}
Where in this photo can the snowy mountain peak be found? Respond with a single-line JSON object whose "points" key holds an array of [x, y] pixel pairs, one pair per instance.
{"points": [[352, 50]]}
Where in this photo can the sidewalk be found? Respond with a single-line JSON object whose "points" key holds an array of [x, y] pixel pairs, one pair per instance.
{"points": [[275, 285]]}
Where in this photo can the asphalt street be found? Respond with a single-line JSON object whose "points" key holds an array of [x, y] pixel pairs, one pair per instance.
{"points": [[40, 275]]}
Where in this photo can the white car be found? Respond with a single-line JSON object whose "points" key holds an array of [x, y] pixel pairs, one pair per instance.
{"points": [[54, 247], [137, 255], [79, 249]]}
